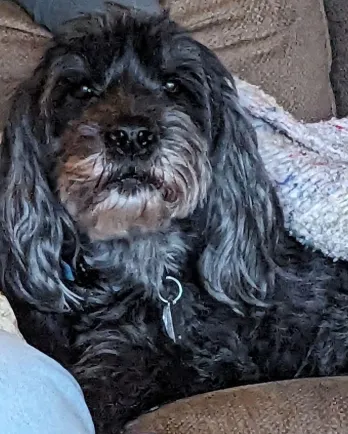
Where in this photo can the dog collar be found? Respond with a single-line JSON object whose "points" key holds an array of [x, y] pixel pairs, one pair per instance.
{"points": [[169, 302], [174, 295], [82, 275], [68, 273]]}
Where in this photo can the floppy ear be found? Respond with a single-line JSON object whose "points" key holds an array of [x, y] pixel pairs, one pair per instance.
{"points": [[33, 223], [242, 211]]}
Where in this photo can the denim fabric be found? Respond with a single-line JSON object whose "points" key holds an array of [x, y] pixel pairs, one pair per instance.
{"points": [[53, 13], [37, 395]]}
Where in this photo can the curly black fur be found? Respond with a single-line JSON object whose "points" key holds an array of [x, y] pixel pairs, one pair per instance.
{"points": [[256, 306]]}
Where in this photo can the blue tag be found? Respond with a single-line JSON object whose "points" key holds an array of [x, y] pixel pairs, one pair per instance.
{"points": [[68, 272]]}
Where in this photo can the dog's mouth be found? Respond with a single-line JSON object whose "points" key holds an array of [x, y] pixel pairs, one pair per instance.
{"points": [[133, 182]]}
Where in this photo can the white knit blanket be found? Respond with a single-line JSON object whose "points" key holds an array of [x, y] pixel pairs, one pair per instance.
{"points": [[308, 164]]}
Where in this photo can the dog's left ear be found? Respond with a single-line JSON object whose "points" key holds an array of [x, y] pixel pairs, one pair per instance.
{"points": [[241, 211]]}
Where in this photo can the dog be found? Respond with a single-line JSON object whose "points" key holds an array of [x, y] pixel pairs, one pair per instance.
{"points": [[143, 244]]}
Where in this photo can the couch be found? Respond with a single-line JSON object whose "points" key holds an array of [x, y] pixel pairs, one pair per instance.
{"points": [[297, 51], [282, 45]]}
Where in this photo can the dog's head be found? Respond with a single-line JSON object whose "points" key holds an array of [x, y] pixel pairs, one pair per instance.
{"points": [[129, 108], [127, 124]]}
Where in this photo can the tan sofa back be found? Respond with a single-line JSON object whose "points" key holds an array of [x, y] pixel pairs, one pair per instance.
{"points": [[21, 46], [281, 45]]}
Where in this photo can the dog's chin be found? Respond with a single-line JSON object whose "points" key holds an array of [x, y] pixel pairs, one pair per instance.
{"points": [[127, 204]]}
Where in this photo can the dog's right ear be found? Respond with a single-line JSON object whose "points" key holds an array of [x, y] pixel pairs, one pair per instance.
{"points": [[33, 224]]}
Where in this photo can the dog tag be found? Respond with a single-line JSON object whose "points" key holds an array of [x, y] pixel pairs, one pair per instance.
{"points": [[168, 321], [167, 317]]}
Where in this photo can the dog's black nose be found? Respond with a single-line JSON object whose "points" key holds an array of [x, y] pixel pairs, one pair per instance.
{"points": [[131, 140]]}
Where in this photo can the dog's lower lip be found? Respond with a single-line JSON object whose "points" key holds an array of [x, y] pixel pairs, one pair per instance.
{"points": [[131, 180]]}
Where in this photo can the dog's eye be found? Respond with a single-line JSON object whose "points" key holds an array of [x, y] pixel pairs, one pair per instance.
{"points": [[171, 86], [83, 92]]}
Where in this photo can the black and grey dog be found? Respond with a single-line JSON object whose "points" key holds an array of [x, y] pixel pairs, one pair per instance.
{"points": [[142, 241]]}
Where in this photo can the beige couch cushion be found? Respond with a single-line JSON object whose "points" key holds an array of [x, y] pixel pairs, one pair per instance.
{"points": [[21, 46], [281, 45], [306, 406]]}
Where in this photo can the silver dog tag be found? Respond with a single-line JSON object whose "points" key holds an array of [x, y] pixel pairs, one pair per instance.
{"points": [[168, 321], [167, 317]]}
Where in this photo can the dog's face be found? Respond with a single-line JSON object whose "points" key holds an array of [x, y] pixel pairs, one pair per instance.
{"points": [[130, 115]]}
